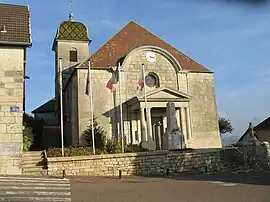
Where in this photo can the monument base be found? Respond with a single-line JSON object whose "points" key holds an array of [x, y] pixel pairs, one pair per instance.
{"points": [[150, 145]]}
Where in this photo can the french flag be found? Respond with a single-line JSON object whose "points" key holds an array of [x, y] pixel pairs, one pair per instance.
{"points": [[141, 80], [112, 82]]}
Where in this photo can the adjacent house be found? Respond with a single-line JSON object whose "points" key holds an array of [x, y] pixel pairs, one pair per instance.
{"points": [[261, 132], [15, 38]]}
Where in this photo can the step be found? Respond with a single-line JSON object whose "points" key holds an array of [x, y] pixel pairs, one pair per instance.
{"points": [[35, 168], [32, 154], [27, 161], [24, 165], [35, 173], [34, 158]]}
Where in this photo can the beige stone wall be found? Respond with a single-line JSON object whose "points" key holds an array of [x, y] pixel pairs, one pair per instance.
{"points": [[204, 120], [245, 157], [70, 103], [63, 48], [130, 77], [134, 163], [11, 94], [103, 101], [132, 72], [200, 86]]}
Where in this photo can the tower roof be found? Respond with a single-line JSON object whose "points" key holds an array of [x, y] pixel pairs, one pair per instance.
{"points": [[71, 31]]}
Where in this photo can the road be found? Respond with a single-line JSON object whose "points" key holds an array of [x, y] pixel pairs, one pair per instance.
{"points": [[226, 187], [185, 188]]}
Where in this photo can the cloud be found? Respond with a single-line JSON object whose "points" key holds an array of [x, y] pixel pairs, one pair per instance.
{"points": [[101, 24], [110, 24]]}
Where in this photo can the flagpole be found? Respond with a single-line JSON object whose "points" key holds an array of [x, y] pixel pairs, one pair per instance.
{"points": [[61, 106], [91, 106], [121, 109], [145, 100]]}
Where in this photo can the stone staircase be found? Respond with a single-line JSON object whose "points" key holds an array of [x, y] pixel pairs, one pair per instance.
{"points": [[34, 163]]}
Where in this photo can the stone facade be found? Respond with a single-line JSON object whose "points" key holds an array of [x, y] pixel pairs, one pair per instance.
{"points": [[134, 163], [198, 119], [11, 95]]}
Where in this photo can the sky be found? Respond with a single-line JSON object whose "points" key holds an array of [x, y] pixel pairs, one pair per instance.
{"points": [[230, 37]]}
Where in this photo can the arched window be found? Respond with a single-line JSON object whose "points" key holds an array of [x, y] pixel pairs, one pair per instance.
{"points": [[152, 80], [73, 57]]}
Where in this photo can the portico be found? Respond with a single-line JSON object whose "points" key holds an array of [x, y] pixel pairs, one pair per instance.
{"points": [[152, 118]]}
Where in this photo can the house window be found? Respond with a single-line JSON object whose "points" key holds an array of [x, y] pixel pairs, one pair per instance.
{"points": [[73, 55]]}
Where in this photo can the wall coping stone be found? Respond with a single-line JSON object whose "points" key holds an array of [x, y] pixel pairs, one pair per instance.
{"points": [[127, 155]]}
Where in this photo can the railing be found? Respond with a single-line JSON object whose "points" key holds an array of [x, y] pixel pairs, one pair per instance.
{"points": [[45, 155]]}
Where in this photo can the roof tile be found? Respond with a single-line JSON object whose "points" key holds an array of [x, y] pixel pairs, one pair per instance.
{"points": [[133, 36], [16, 19]]}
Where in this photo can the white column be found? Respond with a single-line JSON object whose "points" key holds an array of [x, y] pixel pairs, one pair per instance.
{"points": [[188, 123], [143, 125], [183, 122], [149, 125], [177, 114], [154, 132], [159, 135], [164, 124]]}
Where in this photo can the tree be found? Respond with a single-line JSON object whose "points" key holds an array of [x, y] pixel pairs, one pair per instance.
{"points": [[100, 136], [28, 135], [224, 125]]}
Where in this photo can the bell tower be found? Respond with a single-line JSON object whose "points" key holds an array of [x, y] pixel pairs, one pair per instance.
{"points": [[71, 43]]}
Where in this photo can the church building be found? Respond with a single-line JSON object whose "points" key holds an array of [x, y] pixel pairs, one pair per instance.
{"points": [[170, 76]]}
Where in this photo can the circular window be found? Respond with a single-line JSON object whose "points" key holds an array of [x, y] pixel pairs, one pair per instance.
{"points": [[150, 81]]}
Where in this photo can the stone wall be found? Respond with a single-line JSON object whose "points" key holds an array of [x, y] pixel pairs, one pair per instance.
{"points": [[103, 101], [145, 163], [203, 111], [11, 95], [251, 156], [243, 158]]}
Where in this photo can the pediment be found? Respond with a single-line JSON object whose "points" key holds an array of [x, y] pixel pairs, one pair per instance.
{"points": [[165, 93]]}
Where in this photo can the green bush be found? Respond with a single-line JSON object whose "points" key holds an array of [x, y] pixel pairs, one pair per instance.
{"points": [[113, 146], [26, 143], [134, 149], [27, 138], [100, 136], [70, 151]]}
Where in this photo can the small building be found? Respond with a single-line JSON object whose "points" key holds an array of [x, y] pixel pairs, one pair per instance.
{"points": [[170, 76], [15, 38], [261, 132]]}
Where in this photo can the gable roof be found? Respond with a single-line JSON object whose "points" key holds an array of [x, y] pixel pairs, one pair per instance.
{"points": [[161, 94], [16, 19], [46, 107], [133, 36], [264, 125], [247, 133]]}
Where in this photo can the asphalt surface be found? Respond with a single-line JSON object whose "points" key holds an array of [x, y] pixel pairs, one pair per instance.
{"points": [[226, 187]]}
